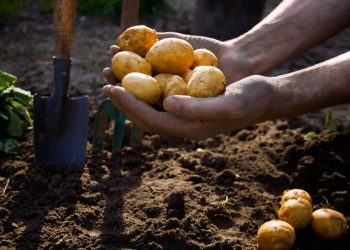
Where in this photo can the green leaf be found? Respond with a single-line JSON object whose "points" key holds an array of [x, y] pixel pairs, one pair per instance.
{"points": [[23, 96], [310, 135], [22, 112], [6, 80], [8, 145], [3, 116], [16, 126]]}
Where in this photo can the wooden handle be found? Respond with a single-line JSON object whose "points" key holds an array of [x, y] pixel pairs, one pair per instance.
{"points": [[130, 14], [63, 22]]}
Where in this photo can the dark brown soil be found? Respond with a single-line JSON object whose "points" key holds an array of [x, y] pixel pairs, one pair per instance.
{"points": [[166, 193]]}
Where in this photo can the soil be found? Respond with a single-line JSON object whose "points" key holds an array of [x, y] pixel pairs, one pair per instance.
{"points": [[166, 193]]}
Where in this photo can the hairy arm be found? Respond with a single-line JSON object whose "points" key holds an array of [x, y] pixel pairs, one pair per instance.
{"points": [[290, 29], [323, 85]]}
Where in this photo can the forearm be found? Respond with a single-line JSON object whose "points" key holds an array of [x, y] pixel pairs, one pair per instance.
{"points": [[293, 27], [323, 85]]}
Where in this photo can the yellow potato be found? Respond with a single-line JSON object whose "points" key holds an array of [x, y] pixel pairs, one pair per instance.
{"points": [[295, 194], [143, 87], [138, 39], [329, 224], [170, 55], [171, 85], [187, 75], [204, 57], [296, 212], [206, 81], [125, 62], [276, 235]]}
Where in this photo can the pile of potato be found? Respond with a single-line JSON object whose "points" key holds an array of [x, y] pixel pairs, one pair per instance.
{"points": [[296, 213], [153, 70]]}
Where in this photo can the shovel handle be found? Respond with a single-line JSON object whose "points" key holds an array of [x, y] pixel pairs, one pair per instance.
{"points": [[63, 21], [130, 14]]}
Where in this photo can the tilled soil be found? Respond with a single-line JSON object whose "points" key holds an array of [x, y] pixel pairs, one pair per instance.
{"points": [[166, 193]]}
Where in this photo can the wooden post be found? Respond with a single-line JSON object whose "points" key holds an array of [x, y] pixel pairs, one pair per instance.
{"points": [[130, 14]]}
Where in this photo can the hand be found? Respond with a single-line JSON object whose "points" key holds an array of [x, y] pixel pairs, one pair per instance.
{"points": [[244, 103], [232, 61]]}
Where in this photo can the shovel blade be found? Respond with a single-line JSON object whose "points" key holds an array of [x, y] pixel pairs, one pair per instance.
{"points": [[64, 146]]}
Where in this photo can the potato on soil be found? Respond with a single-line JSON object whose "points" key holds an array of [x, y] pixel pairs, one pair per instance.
{"points": [[204, 57], [329, 224], [170, 55], [171, 85], [275, 235], [138, 39], [295, 194], [206, 81], [143, 87], [125, 62], [296, 212]]}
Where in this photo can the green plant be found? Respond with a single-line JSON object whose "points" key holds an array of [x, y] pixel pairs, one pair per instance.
{"points": [[330, 123], [15, 120], [227, 202], [310, 135], [9, 9]]}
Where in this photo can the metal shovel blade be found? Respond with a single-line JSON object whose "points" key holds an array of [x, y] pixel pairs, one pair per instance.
{"points": [[61, 123], [65, 145]]}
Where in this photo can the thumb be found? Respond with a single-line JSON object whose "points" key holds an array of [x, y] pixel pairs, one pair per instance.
{"points": [[211, 108]]}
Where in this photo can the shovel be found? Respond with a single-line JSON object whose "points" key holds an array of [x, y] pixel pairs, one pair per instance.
{"points": [[61, 122]]}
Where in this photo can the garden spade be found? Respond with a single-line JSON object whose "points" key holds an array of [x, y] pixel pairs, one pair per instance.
{"points": [[61, 122]]}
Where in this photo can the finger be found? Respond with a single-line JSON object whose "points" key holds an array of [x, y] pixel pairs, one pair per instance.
{"points": [[114, 49], [212, 108], [162, 35], [107, 73], [197, 42], [151, 120]]}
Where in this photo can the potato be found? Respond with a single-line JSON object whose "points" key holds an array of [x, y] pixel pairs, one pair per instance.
{"points": [[204, 57], [296, 212], [142, 86], [170, 55], [276, 235], [206, 81], [125, 62], [294, 194], [171, 85], [187, 75], [138, 39], [329, 224]]}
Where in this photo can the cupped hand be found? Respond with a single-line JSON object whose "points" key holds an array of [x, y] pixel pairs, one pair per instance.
{"points": [[244, 103]]}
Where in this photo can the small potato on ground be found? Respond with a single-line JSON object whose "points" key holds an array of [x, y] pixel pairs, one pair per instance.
{"points": [[125, 62], [138, 39], [329, 224], [206, 81], [275, 235], [171, 85], [295, 193], [170, 55], [296, 212], [143, 87], [204, 57]]}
